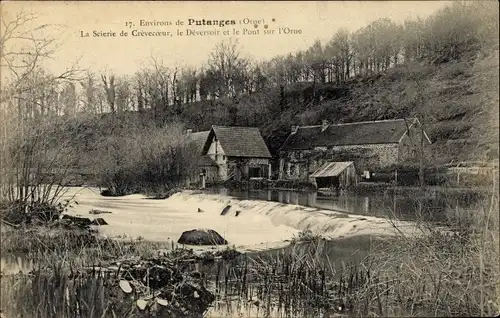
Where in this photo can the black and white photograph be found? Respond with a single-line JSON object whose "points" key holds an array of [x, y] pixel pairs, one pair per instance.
{"points": [[249, 159]]}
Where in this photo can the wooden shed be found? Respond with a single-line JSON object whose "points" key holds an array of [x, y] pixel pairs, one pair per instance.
{"points": [[335, 175]]}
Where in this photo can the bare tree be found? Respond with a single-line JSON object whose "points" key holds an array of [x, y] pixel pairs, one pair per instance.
{"points": [[124, 100], [23, 49], [227, 68], [110, 90], [69, 98], [27, 97], [89, 98]]}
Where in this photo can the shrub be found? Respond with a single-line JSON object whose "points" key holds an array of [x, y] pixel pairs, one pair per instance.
{"points": [[306, 236], [18, 212], [151, 159]]}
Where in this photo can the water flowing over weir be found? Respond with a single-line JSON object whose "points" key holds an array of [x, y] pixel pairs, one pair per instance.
{"points": [[248, 224], [330, 223]]}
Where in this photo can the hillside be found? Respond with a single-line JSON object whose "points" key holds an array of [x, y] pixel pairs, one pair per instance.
{"points": [[457, 101]]}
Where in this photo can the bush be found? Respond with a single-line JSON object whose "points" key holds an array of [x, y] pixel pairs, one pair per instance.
{"points": [[19, 212], [151, 159], [306, 236]]}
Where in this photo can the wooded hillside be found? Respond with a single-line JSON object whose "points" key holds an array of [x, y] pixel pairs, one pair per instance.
{"points": [[442, 69]]}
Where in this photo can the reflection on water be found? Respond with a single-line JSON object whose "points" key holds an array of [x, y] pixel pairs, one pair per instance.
{"points": [[14, 263], [394, 206]]}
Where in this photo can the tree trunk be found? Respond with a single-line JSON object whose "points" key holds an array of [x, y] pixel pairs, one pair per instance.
{"points": [[421, 170]]}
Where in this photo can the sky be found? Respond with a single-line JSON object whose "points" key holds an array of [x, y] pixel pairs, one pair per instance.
{"points": [[127, 54]]}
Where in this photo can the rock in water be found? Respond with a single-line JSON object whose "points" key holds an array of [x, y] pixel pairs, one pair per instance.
{"points": [[201, 237], [224, 211], [82, 222], [106, 193], [95, 211], [99, 221]]}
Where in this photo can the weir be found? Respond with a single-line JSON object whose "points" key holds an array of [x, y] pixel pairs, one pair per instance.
{"points": [[330, 223], [249, 225]]}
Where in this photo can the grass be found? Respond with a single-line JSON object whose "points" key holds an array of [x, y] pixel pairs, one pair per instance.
{"points": [[441, 273], [306, 236]]}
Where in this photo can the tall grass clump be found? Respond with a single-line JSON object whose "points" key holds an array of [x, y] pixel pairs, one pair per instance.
{"points": [[300, 281], [451, 271]]}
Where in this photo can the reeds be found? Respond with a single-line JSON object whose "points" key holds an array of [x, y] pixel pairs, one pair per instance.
{"points": [[449, 271]]}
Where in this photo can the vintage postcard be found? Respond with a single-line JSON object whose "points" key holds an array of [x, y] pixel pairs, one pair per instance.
{"points": [[249, 159]]}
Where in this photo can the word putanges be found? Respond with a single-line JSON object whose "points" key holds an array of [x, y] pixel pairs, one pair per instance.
{"points": [[219, 23]]}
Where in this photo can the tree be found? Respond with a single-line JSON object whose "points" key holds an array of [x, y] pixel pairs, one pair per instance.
{"points": [[412, 41], [124, 100], [69, 99], [227, 69], [109, 87], [339, 55], [189, 84], [90, 93], [29, 101]]}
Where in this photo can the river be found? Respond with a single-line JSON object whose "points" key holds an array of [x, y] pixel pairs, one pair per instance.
{"points": [[438, 207]]}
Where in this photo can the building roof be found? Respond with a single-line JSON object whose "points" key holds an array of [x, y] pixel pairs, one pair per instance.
{"points": [[239, 142], [199, 138], [360, 133], [206, 161], [331, 169]]}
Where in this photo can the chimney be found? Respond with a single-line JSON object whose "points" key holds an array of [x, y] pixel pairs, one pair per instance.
{"points": [[324, 124], [294, 129]]}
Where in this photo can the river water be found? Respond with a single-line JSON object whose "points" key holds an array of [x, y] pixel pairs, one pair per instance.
{"points": [[15, 264], [405, 208], [438, 207]]}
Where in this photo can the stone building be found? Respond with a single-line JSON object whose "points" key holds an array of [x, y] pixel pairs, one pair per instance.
{"points": [[232, 153], [205, 165], [369, 145]]}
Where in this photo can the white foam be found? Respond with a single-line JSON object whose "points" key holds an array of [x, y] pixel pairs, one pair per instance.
{"points": [[259, 225]]}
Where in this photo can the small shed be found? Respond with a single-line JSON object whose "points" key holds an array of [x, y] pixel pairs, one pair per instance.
{"points": [[335, 175]]}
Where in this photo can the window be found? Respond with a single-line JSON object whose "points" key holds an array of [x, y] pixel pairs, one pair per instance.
{"points": [[253, 172]]}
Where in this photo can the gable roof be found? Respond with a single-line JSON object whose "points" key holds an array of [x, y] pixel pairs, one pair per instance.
{"points": [[206, 161], [239, 141], [360, 133], [199, 138]]}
